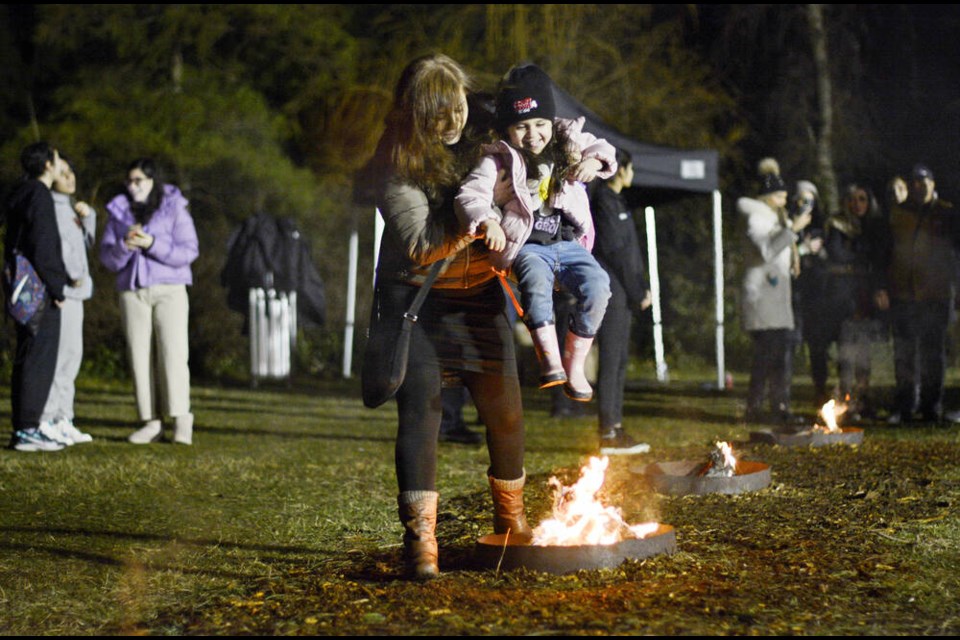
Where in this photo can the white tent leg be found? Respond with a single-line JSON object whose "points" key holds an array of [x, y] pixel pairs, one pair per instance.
{"points": [[662, 374], [378, 228], [351, 304], [718, 279]]}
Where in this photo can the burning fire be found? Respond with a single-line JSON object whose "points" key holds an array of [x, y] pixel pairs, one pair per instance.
{"points": [[831, 413], [579, 518], [722, 464]]}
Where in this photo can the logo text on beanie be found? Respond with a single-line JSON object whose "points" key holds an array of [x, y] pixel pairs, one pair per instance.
{"points": [[525, 105]]}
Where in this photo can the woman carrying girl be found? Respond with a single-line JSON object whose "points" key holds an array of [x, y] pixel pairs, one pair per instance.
{"points": [[527, 198], [462, 335]]}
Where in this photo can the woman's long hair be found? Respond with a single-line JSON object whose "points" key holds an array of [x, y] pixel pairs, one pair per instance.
{"points": [[426, 96], [143, 211], [848, 223]]}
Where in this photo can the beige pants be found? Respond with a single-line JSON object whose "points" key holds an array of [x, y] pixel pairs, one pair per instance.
{"points": [[155, 323]]}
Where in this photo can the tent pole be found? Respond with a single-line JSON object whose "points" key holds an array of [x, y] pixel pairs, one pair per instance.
{"points": [[351, 304], [718, 279], [378, 227], [662, 374]]}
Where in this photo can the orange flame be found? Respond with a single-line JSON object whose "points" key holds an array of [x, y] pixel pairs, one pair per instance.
{"points": [[831, 413], [722, 461], [579, 518]]}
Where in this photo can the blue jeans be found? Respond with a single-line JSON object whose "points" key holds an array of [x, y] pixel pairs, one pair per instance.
{"points": [[567, 262]]}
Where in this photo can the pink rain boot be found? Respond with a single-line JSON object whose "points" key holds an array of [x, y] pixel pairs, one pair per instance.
{"points": [[574, 356], [548, 353]]}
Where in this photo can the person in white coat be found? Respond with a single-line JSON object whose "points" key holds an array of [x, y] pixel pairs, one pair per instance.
{"points": [[771, 262]]}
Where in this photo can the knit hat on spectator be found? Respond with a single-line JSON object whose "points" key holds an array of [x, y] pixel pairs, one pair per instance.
{"points": [[921, 171], [526, 92], [770, 180], [806, 185]]}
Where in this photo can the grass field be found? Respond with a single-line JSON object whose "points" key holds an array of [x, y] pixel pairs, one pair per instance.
{"points": [[281, 520]]}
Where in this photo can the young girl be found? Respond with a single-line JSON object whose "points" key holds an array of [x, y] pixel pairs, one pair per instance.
{"points": [[527, 199]]}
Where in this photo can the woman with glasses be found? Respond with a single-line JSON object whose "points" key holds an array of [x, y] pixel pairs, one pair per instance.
{"points": [[150, 241], [854, 242]]}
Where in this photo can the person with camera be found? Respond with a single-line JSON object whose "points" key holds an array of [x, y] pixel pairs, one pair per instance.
{"points": [[771, 259], [811, 325]]}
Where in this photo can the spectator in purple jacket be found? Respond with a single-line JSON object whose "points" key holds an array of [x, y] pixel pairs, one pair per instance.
{"points": [[149, 241]]}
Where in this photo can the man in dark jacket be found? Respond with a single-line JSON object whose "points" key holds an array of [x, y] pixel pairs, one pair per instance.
{"points": [[617, 249], [921, 263], [32, 230]]}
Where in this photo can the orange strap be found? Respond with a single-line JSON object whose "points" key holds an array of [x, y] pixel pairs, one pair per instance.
{"points": [[513, 298]]}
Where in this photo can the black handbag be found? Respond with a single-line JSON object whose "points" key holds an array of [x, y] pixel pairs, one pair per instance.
{"points": [[385, 358]]}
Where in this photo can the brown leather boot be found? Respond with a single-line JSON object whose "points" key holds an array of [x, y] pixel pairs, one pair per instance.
{"points": [[418, 514], [547, 346], [508, 512]]}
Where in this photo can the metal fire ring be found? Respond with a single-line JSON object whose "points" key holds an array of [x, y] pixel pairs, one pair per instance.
{"points": [[812, 438], [558, 559], [680, 478]]}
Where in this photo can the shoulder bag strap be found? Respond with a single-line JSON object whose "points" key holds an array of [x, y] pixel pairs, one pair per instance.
{"points": [[411, 313]]}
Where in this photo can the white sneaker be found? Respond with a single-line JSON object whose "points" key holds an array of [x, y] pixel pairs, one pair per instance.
{"points": [[617, 442], [51, 431], [70, 431], [151, 431], [33, 440]]}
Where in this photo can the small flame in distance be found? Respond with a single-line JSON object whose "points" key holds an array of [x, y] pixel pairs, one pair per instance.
{"points": [[722, 462], [831, 413]]}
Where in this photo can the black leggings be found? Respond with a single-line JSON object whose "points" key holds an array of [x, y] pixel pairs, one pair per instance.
{"points": [[614, 350], [497, 399], [469, 338]]}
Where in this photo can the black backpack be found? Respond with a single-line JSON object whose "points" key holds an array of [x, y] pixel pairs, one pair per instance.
{"points": [[270, 253]]}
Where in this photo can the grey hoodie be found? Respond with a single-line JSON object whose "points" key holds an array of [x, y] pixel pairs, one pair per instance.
{"points": [[76, 237]]}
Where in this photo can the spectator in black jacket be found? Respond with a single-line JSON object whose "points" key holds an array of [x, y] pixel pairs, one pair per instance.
{"points": [[811, 324], [855, 239], [617, 249], [920, 274], [32, 230]]}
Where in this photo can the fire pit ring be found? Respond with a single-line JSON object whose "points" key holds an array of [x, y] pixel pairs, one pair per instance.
{"points": [[808, 438], [679, 478], [559, 559]]}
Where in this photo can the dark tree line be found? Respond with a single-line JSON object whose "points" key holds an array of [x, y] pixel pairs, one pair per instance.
{"points": [[273, 107]]}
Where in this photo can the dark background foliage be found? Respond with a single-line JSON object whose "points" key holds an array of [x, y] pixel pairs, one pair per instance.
{"points": [[272, 107]]}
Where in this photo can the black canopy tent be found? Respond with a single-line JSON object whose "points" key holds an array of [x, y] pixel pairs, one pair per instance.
{"points": [[654, 166], [663, 169]]}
